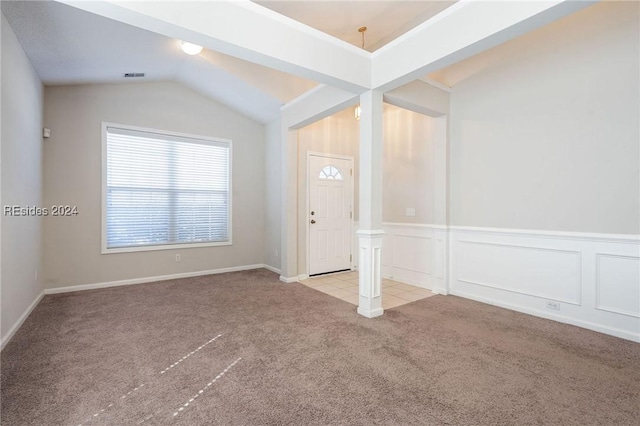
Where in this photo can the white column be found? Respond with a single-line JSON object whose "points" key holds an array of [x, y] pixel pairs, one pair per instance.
{"points": [[441, 205], [370, 220]]}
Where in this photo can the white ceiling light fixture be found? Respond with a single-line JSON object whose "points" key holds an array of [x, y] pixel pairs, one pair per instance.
{"points": [[358, 110], [190, 48]]}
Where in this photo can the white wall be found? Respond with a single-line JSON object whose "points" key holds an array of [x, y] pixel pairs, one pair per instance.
{"points": [[544, 129], [21, 177], [72, 176], [272, 194]]}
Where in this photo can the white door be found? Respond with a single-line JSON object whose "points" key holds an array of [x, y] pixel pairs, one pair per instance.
{"points": [[329, 214]]}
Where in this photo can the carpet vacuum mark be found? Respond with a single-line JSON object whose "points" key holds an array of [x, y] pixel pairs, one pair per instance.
{"points": [[158, 382], [201, 391]]}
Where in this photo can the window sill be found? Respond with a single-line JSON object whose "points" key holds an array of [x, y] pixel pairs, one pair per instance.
{"points": [[106, 250]]}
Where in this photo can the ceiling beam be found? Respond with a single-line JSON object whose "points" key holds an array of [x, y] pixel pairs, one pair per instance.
{"points": [[461, 31], [316, 104], [248, 31], [421, 97]]}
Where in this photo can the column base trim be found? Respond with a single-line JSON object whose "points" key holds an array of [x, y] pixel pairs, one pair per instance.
{"points": [[370, 313]]}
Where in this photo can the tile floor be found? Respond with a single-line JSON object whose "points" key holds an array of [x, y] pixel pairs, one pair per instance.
{"points": [[344, 285]]}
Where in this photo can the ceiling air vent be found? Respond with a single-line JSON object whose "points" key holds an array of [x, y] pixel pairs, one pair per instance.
{"points": [[133, 74]]}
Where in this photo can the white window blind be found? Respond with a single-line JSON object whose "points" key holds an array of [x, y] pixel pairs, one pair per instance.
{"points": [[164, 189]]}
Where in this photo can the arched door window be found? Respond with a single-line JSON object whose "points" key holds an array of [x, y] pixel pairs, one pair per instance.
{"points": [[330, 173]]}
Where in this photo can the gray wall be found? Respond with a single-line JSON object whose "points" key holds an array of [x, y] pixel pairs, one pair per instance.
{"points": [[544, 129], [21, 180], [72, 176], [272, 194]]}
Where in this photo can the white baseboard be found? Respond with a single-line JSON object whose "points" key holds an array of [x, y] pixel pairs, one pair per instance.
{"points": [[271, 268], [547, 315], [288, 280], [21, 320], [151, 279], [302, 277]]}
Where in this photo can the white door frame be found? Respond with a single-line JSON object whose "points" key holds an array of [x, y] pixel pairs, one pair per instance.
{"points": [[308, 203]]}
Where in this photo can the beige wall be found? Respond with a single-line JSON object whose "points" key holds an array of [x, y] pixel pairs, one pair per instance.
{"points": [[72, 176], [21, 180], [545, 129], [407, 179]]}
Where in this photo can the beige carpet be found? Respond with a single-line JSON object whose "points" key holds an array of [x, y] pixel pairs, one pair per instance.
{"points": [[244, 349]]}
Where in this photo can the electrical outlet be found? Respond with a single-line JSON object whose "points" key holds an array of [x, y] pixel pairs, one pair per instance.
{"points": [[410, 211], [275, 253], [553, 305], [178, 258], [36, 275]]}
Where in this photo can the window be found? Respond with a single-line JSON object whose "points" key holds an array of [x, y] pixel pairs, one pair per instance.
{"points": [[162, 189], [330, 173]]}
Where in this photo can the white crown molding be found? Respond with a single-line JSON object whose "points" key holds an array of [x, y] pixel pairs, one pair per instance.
{"points": [[417, 29], [292, 23]]}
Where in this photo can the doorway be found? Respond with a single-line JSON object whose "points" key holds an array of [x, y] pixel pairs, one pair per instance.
{"points": [[330, 200]]}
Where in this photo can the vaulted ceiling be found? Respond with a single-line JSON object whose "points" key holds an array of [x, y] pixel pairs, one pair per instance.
{"points": [[261, 55]]}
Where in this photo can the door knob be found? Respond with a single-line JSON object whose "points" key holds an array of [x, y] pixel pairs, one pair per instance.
{"points": [[313, 221]]}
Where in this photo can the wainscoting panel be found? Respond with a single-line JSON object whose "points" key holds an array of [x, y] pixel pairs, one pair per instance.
{"points": [[536, 271], [409, 252], [618, 284], [589, 280]]}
